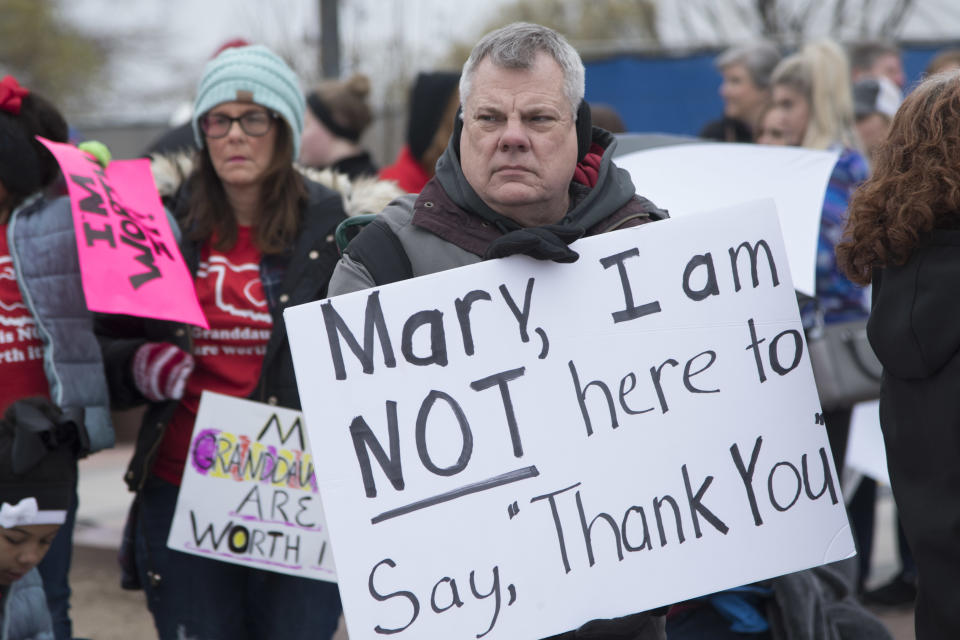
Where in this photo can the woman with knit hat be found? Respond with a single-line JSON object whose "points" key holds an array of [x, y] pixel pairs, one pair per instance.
{"points": [[259, 238], [47, 345], [337, 115]]}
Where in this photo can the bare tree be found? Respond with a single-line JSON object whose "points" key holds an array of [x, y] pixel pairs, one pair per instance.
{"points": [[46, 54], [590, 26], [790, 22]]}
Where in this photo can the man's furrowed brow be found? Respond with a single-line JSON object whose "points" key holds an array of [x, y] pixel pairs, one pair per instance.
{"points": [[489, 107]]}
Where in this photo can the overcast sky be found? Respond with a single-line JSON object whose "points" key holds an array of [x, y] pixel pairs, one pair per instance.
{"points": [[163, 44]]}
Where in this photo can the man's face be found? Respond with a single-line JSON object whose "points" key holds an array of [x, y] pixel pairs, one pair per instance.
{"points": [[889, 66], [742, 99], [519, 145]]}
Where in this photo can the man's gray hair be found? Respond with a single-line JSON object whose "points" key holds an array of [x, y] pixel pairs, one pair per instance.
{"points": [[760, 58], [516, 46]]}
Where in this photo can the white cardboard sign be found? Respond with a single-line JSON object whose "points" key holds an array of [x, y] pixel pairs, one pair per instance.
{"points": [[249, 493], [691, 178], [513, 448]]}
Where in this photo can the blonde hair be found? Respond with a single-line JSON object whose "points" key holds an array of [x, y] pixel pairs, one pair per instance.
{"points": [[820, 72]]}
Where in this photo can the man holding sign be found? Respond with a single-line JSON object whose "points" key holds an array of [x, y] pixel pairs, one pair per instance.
{"points": [[524, 173], [435, 531]]}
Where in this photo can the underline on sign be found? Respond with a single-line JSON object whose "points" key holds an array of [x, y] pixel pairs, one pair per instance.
{"points": [[476, 487]]}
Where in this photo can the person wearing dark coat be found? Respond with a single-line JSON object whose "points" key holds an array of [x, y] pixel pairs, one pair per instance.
{"points": [[746, 71], [903, 237], [467, 213]]}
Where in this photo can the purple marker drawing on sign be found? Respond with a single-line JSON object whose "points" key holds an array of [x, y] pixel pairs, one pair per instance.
{"points": [[204, 450]]}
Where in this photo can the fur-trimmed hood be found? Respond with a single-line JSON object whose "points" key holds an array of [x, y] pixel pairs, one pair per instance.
{"points": [[360, 196]]}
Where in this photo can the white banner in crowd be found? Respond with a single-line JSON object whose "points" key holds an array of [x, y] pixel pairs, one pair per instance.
{"points": [[249, 493], [513, 448], [865, 449], [691, 178]]}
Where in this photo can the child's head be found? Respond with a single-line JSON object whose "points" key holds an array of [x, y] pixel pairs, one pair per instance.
{"points": [[37, 472], [25, 164]]}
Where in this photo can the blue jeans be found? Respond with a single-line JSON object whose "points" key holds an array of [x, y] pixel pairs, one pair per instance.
{"points": [[198, 597], [55, 571]]}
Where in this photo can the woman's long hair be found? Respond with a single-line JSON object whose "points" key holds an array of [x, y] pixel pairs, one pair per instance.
{"points": [[281, 200], [820, 72], [915, 186]]}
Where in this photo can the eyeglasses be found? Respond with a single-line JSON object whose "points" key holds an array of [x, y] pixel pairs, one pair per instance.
{"points": [[253, 123]]}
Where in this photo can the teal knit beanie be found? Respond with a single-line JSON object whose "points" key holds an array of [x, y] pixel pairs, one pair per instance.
{"points": [[251, 74]]}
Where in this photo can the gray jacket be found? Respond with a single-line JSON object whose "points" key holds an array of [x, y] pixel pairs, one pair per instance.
{"points": [[24, 615], [427, 253], [41, 239]]}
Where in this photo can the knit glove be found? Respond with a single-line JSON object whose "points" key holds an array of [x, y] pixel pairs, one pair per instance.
{"points": [[160, 370]]}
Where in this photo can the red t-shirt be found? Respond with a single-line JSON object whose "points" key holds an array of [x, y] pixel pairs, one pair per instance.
{"points": [[229, 355], [21, 350]]}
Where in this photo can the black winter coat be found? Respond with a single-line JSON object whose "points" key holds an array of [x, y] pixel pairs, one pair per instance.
{"points": [[914, 331]]}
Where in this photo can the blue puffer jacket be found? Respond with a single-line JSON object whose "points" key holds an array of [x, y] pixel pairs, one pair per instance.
{"points": [[24, 615], [41, 239]]}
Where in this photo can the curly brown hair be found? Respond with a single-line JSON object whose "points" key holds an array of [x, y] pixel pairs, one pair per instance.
{"points": [[915, 186]]}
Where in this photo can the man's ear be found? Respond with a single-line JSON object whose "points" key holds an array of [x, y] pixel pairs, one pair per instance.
{"points": [[584, 130], [457, 130]]}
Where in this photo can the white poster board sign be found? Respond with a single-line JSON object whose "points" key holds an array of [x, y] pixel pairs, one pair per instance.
{"points": [[513, 448], [691, 178], [865, 449], [249, 492]]}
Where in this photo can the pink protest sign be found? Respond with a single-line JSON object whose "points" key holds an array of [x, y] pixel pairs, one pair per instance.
{"points": [[129, 260]]}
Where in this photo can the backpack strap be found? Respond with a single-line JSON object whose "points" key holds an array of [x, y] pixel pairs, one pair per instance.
{"points": [[379, 250], [349, 228]]}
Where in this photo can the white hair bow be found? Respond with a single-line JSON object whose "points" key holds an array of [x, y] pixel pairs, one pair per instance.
{"points": [[27, 512]]}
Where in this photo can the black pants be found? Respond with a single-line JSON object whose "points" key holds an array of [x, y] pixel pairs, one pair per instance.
{"points": [[838, 432]]}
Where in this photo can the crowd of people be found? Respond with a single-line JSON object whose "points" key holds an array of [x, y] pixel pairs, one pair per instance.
{"points": [[501, 158]]}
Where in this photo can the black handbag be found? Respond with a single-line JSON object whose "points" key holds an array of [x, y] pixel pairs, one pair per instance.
{"points": [[844, 365]]}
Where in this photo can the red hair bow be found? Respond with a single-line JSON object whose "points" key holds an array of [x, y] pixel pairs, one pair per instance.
{"points": [[11, 95]]}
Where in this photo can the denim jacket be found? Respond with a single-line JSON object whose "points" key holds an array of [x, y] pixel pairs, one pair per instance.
{"points": [[23, 611]]}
